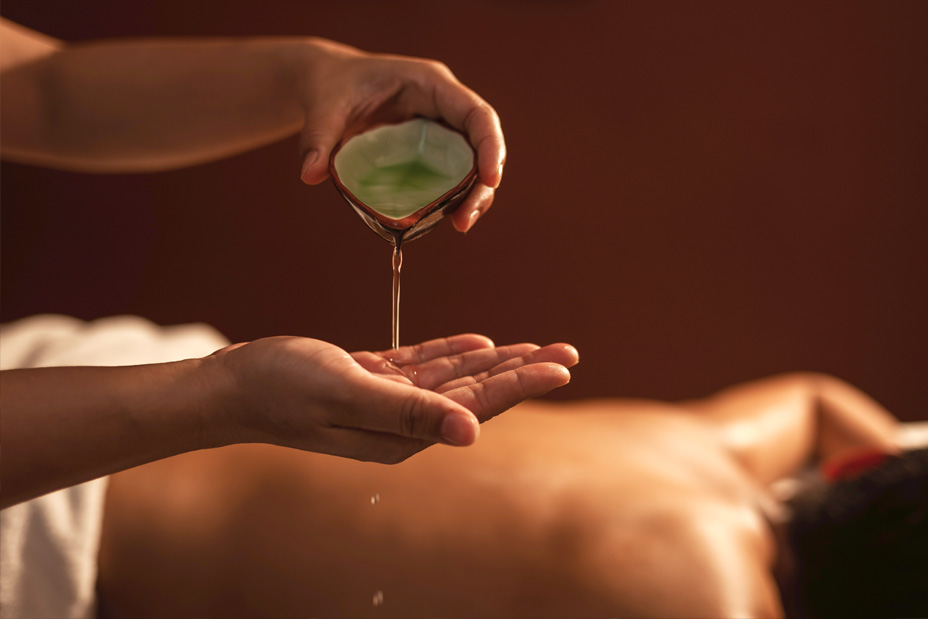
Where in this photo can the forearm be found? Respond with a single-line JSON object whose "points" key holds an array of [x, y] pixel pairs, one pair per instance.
{"points": [[64, 426], [142, 105]]}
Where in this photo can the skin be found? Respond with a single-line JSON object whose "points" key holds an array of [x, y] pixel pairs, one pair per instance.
{"points": [[63, 426], [146, 105], [142, 105], [594, 508]]}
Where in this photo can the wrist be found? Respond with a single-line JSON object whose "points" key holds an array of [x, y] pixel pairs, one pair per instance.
{"points": [[219, 412], [310, 64]]}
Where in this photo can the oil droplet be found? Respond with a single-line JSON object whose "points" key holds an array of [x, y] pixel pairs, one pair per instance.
{"points": [[378, 598], [375, 499]]}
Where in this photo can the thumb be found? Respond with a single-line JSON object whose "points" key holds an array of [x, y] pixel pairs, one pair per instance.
{"points": [[416, 413], [321, 132]]}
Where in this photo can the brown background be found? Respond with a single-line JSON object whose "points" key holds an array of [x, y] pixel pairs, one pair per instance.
{"points": [[696, 194]]}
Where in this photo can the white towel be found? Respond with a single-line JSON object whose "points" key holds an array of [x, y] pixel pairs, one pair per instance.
{"points": [[49, 546]]}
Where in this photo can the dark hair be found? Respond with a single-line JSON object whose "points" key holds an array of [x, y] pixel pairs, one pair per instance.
{"points": [[860, 545]]}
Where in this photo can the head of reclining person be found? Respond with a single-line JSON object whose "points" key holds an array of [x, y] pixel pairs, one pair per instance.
{"points": [[858, 541]]}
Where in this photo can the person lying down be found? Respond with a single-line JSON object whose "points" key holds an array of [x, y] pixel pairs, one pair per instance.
{"points": [[618, 508]]}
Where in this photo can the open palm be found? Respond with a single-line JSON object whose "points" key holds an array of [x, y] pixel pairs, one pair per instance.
{"points": [[383, 406]]}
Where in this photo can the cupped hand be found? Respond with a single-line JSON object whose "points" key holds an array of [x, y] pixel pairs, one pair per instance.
{"points": [[345, 91], [381, 406]]}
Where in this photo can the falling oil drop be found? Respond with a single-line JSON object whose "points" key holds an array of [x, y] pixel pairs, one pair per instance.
{"points": [[378, 598], [375, 499]]}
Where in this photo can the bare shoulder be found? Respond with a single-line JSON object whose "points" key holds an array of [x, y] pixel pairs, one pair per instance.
{"points": [[20, 45], [664, 522]]}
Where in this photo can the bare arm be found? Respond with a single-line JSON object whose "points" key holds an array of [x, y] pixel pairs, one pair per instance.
{"points": [[66, 425], [141, 105], [776, 426]]}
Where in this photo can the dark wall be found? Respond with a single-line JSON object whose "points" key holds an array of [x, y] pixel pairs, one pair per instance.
{"points": [[696, 194]]}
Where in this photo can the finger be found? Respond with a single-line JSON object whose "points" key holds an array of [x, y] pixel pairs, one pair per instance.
{"points": [[465, 110], [439, 371], [438, 93], [498, 393], [562, 354], [400, 364], [440, 347], [322, 129], [387, 406], [477, 203]]}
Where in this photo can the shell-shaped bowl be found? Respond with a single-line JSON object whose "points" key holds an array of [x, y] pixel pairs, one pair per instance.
{"points": [[403, 178]]}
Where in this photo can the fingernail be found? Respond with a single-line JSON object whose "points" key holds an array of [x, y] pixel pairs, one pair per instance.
{"points": [[499, 176], [458, 429], [471, 220], [308, 162]]}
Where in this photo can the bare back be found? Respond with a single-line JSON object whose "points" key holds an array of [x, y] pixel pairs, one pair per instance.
{"points": [[603, 508]]}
